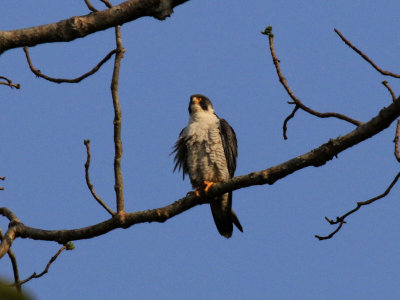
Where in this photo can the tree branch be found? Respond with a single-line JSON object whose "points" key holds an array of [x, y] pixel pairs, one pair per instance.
{"points": [[7, 240], [89, 184], [9, 83], [2, 188], [81, 26], [14, 264], [34, 275], [341, 220], [396, 141], [119, 187], [106, 3], [365, 57], [316, 157], [386, 84], [287, 120], [90, 6], [61, 80], [296, 101]]}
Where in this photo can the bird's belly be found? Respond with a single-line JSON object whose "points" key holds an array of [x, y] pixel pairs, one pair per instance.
{"points": [[206, 161]]}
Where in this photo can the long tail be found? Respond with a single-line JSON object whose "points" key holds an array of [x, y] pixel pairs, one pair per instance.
{"points": [[224, 216]]}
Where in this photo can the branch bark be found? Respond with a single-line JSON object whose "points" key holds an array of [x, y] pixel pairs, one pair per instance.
{"points": [[316, 157], [81, 26], [118, 186]]}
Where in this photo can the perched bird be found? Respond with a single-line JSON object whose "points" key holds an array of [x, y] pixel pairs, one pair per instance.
{"points": [[206, 150]]}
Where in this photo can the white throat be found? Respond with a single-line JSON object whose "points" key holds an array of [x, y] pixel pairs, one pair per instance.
{"points": [[200, 122]]}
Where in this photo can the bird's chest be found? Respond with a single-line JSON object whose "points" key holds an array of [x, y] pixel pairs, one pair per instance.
{"points": [[206, 157]]}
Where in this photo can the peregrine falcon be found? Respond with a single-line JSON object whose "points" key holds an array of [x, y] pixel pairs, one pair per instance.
{"points": [[206, 150]]}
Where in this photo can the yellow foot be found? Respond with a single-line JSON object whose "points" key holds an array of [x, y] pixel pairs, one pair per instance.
{"points": [[207, 184]]}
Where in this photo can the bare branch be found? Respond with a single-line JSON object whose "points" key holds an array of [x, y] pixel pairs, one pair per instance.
{"points": [[81, 26], [61, 80], [287, 120], [90, 6], [10, 234], [9, 83], [89, 184], [316, 157], [2, 188], [107, 3], [396, 141], [4, 211], [34, 275], [341, 220], [14, 265], [282, 79], [8, 239], [365, 57], [117, 124], [386, 84]]}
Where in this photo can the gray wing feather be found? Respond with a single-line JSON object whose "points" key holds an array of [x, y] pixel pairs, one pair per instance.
{"points": [[229, 143], [180, 150]]}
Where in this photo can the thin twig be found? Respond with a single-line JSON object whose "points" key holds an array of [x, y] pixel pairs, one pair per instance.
{"points": [[61, 80], [107, 3], [14, 264], [2, 188], [90, 6], [365, 57], [386, 84], [34, 275], [296, 101], [341, 220], [9, 83], [117, 123], [287, 120], [89, 184], [396, 141]]}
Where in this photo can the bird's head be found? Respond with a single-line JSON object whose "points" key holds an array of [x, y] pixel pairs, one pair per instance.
{"points": [[200, 103]]}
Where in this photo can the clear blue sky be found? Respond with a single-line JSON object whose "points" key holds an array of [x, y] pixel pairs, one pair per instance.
{"points": [[214, 48]]}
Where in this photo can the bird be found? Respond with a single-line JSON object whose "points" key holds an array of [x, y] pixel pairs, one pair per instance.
{"points": [[207, 150]]}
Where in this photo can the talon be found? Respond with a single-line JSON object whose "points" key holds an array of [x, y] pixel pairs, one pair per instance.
{"points": [[207, 184], [196, 192]]}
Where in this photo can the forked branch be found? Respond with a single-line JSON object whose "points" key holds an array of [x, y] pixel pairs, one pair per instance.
{"points": [[296, 101], [68, 246], [8, 82], [81, 26], [341, 220]]}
